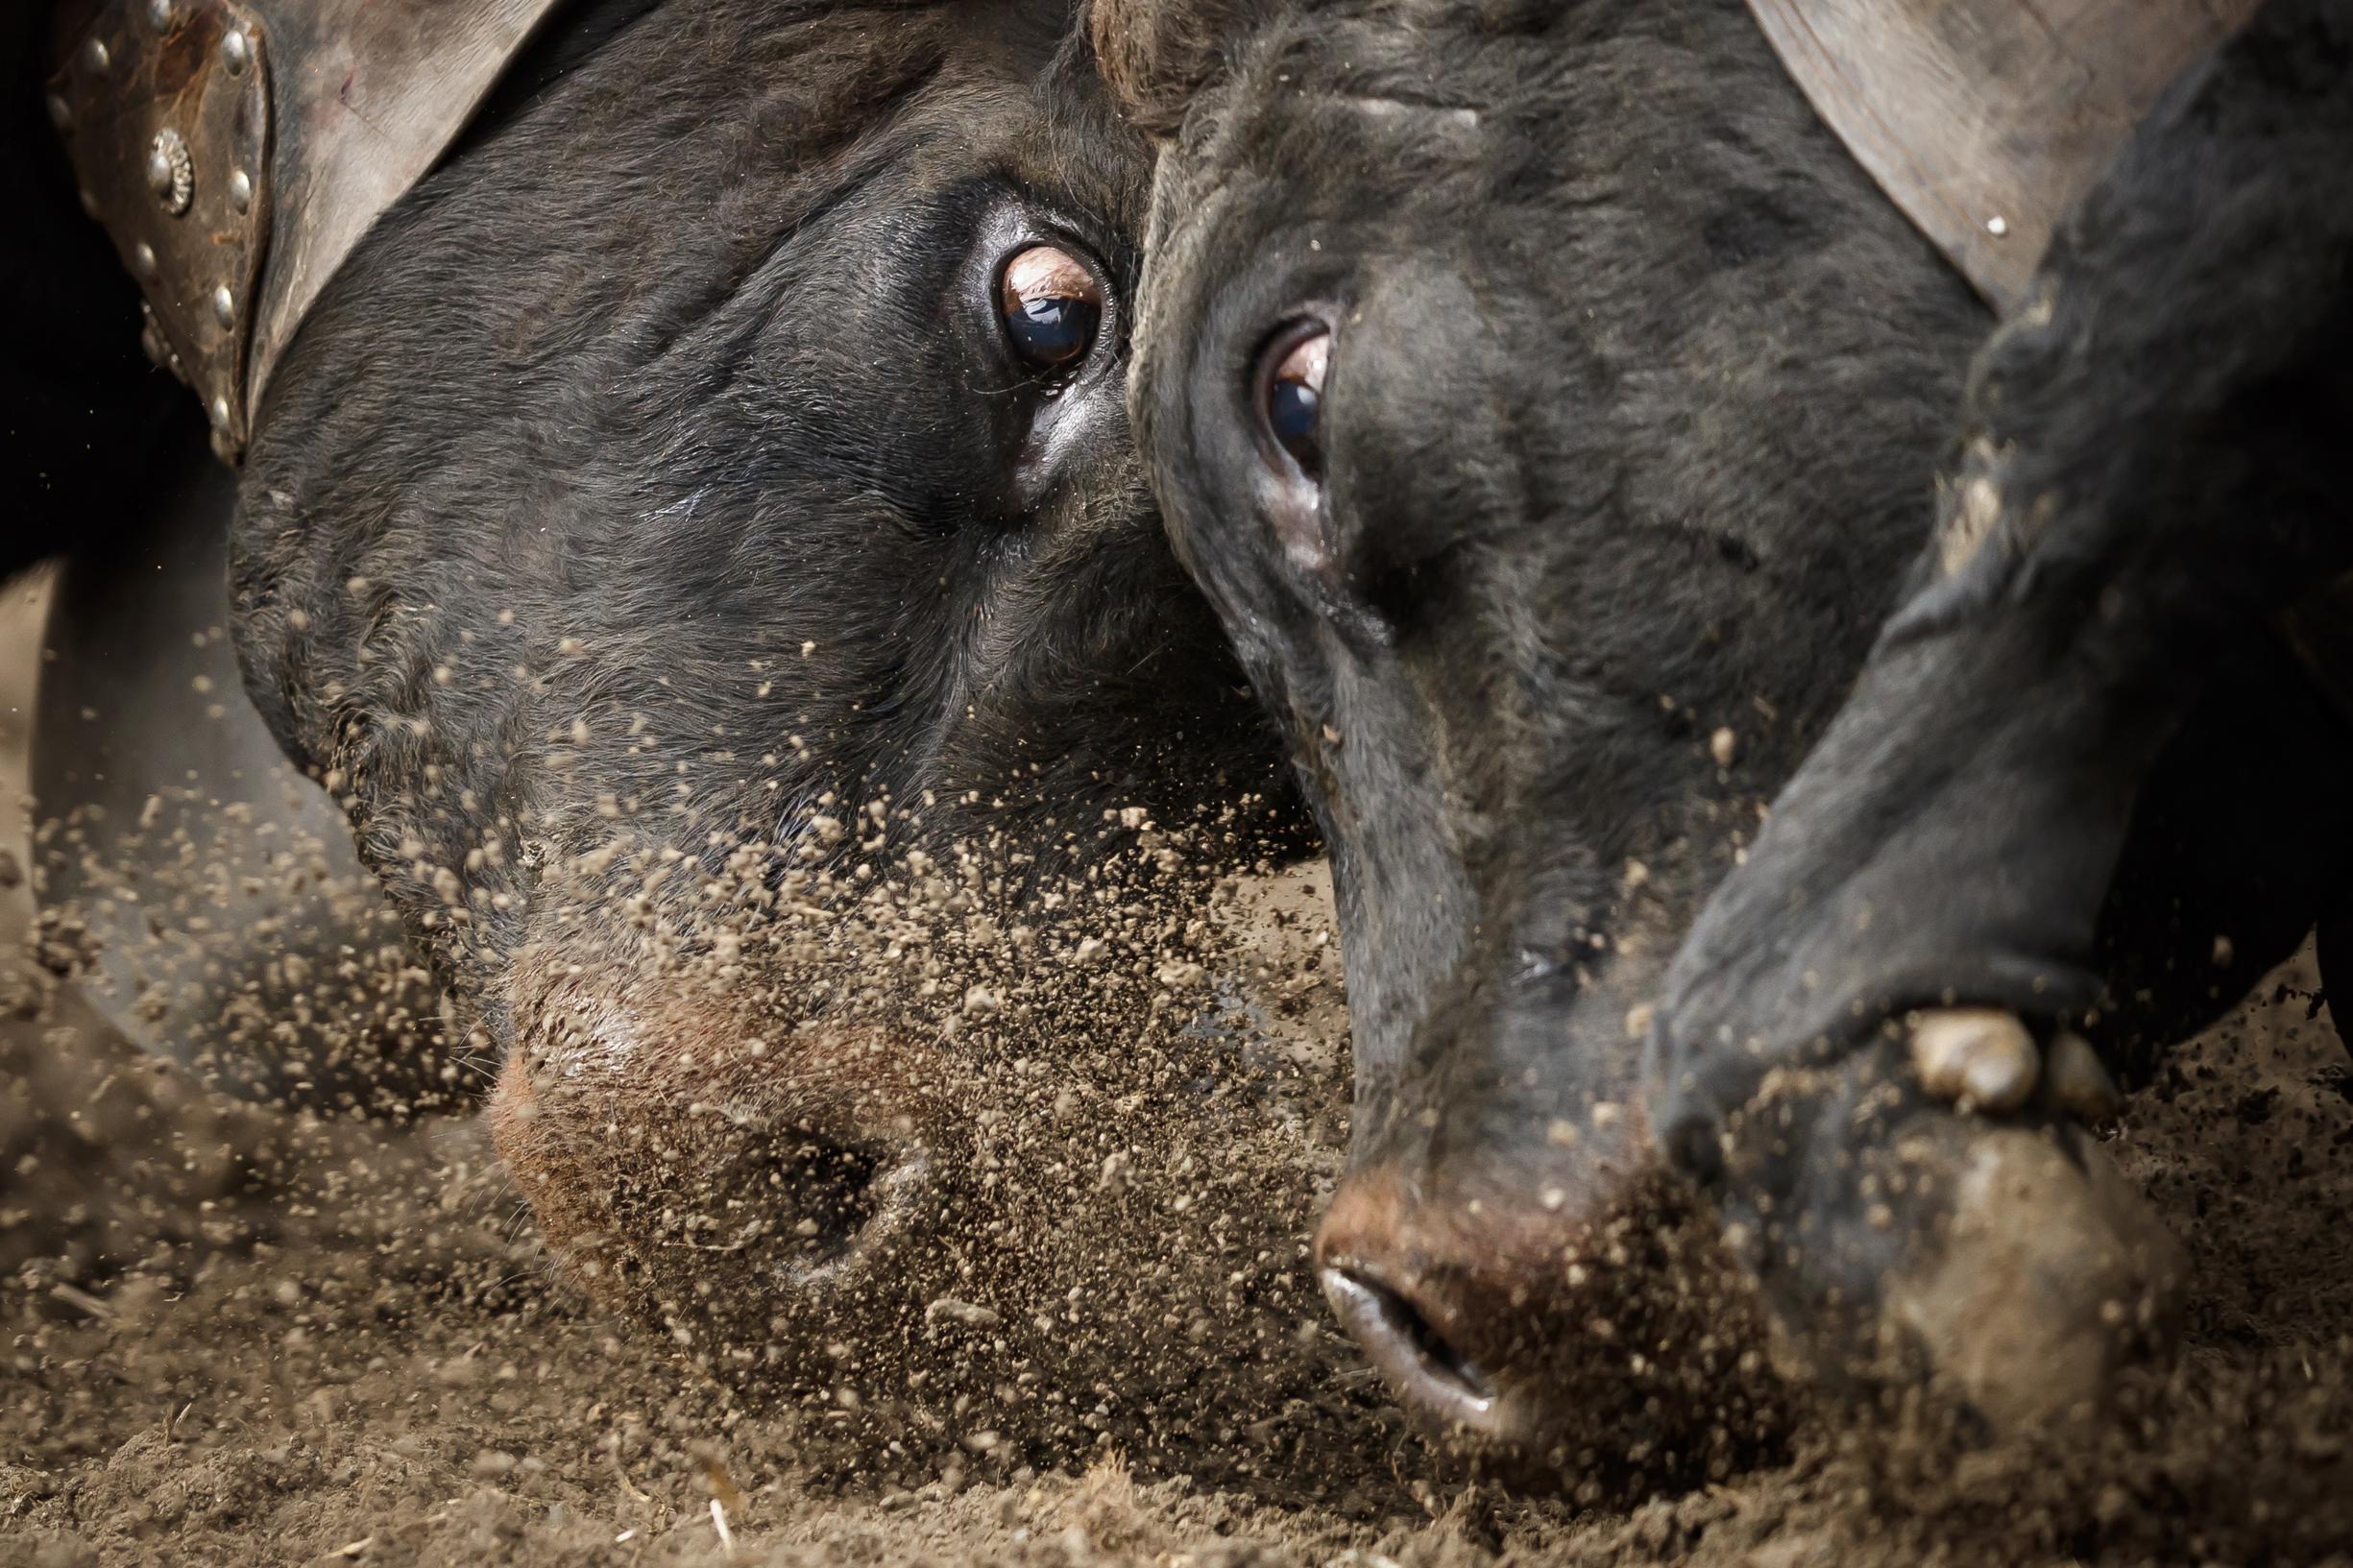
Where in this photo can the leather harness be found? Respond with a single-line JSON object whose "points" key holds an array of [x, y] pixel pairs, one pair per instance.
{"points": [[236, 150]]}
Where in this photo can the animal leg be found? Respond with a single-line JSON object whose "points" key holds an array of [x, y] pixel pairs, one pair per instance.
{"points": [[2154, 465]]}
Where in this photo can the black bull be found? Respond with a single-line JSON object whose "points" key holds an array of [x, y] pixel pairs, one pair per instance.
{"points": [[697, 541], [1548, 404]]}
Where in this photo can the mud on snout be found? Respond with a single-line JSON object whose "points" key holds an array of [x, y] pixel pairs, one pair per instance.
{"points": [[1526, 1272], [1997, 1262], [962, 1185], [695, 1165]]}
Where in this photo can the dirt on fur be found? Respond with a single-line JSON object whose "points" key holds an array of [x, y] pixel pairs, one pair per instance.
{"points": [[242, 1336]]}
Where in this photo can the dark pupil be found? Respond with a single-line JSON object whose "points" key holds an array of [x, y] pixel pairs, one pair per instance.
{"points": [[1294, 409], [1052, 331]]}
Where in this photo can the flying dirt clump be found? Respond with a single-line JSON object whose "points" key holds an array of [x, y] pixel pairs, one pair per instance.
{"points": [[988, 1157]]}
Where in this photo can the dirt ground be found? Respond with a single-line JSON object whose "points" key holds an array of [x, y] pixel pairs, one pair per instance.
{"points": [[234, 1336]]}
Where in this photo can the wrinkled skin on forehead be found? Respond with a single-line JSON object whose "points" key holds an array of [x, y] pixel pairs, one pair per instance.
{"points": [[1635, 392], [773, 703]]}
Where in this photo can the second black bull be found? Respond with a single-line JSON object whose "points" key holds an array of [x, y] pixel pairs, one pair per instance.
{"points": [[1548, 404], [695, 539]]}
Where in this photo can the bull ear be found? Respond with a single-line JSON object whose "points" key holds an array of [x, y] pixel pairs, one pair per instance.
{"points": [[1157, 54]]}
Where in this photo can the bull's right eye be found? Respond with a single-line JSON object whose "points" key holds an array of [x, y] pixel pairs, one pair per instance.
{"points": [[1051, 306], [1290, 394]]}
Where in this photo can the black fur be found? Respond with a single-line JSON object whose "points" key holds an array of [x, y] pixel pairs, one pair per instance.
{"points": [[657, 480], [1636, 384], [1635, 393], [1594, 490], [2102, 679], [694, 363]]}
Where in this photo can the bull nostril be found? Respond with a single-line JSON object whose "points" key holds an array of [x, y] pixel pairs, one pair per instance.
{"points": [[1408, 1349], [831, 1190], [842, 1203]]}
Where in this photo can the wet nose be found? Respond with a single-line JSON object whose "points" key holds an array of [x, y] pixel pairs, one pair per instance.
{"points": [[1425, 1366], [835, 1204], [1446, 1296], [1585, 1313]]}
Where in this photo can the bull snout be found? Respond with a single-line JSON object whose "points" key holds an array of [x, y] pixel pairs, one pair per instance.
{"points": [[1575, 1312], [803, 1190], [1432, 1297], [760, 1190], [828, 1203]]}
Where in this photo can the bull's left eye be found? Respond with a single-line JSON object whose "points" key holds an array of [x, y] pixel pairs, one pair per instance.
{"points": [[1052, 307]]}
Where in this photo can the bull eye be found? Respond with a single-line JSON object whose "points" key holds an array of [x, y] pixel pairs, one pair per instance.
{"points": [[1290, 394], [1052, 307]]}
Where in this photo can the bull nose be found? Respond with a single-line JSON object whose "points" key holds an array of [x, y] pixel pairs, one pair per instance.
{"points": [[1425, 1366], [1580, 1314], [730, 1182], [843, 1204], [1440, 1295]]}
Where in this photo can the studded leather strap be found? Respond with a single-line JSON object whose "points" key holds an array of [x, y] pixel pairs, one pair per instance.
{"points": [[236, 150]]}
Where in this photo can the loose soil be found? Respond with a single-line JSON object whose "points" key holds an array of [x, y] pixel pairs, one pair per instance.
{"points": [[242, 1336]]}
